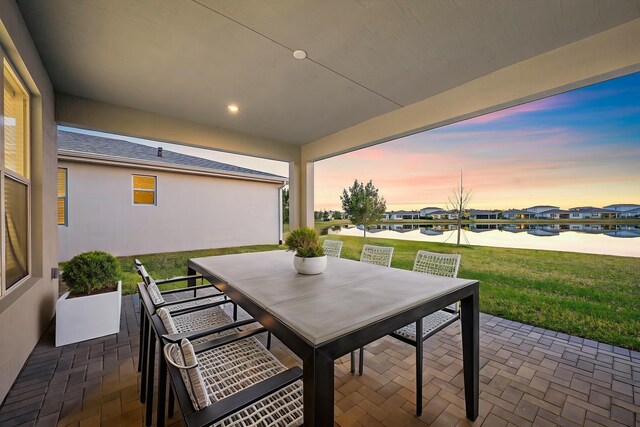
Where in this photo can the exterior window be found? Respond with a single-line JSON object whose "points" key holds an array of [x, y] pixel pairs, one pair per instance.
{"points": [[63, 197], [144, 190], [16, 185]]}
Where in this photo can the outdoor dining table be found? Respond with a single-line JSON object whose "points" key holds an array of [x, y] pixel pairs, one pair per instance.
{"points": [[323, 317]]}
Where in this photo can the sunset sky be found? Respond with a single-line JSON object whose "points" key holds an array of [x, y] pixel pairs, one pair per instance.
{"points": [[574, 149]]}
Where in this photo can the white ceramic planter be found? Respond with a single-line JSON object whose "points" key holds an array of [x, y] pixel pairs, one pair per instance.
{"points": [[84, 318], [310, 266]]}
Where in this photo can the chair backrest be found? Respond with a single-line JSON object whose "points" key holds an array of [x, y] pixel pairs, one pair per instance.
{"points": [[437, 264], [146, 279], [332, 248], [378, 255]]}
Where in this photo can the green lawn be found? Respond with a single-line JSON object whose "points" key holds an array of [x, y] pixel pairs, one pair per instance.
{"points": [[592, 296]]}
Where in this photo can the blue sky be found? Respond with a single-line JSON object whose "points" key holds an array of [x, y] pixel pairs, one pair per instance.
{"points": [[577, 148]]}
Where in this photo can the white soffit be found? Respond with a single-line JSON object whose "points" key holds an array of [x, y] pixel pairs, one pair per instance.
{"points": [[189, 59]]}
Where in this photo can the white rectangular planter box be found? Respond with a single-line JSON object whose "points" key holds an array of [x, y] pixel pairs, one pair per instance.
{"points": [[84, 318]]}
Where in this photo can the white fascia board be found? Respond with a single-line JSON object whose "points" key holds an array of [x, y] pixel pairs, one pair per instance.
{"points": [[81, 157]]}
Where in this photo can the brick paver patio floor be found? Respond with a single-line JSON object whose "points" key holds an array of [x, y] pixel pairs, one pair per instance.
{"points": [[529, 376]]}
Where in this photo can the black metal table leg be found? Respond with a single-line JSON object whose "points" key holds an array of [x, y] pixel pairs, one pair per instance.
{"points": [[353, 362], [141, 329], [419, 364], [172, 402], [162, 390], [191, 282], [151, 350], [470, 321], [144, 343], [318, 389]]}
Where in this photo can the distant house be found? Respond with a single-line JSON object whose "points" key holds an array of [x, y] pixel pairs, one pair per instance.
{"points": [[475, 214], [633, 213], [553, 214], [398, 215], [548, 212], [128, 199], [442, 214], [541, 208], [517, 214], [590, 212], [623, 207], [424, 212], [626, 210]]}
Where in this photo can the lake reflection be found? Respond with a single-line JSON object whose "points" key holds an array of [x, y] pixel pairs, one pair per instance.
{"points": [[606, 239]]}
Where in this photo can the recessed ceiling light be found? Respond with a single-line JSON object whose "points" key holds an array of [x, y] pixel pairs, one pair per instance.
{"points": [[299, 54], [233, 108]]}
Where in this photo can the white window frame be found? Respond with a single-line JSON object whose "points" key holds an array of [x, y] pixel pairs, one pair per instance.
{"points": [[154, 191], [4, 172]]}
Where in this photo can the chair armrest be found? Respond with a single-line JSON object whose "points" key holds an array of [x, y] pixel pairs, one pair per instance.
{"points": [[182, 301], [221, 409], [174, 338], [227, 339], [178, 279], [197, 307], [191, 289]]}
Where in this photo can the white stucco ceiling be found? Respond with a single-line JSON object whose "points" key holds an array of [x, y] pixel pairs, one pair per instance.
{"points": [[189, 59]]}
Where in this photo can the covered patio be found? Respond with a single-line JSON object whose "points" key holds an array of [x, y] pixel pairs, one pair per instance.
{"points": [[296, 82], [529, 376]]}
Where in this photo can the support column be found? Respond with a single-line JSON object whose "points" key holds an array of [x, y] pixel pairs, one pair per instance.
{"points": [[301, 194]]}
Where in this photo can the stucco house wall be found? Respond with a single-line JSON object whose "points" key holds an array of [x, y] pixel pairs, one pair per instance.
{"points": [[26, 310], [192, 212]]}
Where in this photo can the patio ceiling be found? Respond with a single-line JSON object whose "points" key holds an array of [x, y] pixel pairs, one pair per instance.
{"points": [[189, 59]]}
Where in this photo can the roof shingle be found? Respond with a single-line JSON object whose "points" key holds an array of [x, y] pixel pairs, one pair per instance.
{"points": [[91, 144]]}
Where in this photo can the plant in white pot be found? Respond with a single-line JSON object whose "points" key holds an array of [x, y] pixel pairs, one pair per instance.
{"points": [[310, 257], [91, 307]]}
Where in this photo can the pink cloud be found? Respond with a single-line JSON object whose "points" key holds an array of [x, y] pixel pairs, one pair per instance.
{"points": [[531, 107], [504, 168]]}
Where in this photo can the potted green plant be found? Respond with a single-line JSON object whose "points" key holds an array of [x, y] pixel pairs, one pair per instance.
{"points": [[309, 257], [91, 307]]}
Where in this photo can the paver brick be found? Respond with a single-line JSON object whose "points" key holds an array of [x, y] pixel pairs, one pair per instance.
{"points": [[528, 376]]}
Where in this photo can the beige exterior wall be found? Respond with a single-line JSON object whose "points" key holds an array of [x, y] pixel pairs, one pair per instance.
{"points": [[192, 212], [27, 309]]}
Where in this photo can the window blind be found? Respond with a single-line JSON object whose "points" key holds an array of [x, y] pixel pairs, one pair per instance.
{"points": [[16, 230], [15, 102], [62, 196]]}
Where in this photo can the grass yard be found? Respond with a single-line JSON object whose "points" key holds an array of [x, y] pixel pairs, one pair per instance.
{"points": [[592, 296]]}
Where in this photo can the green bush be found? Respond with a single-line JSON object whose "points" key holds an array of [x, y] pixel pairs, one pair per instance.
{"points": [[306, 242], [90, 271]]}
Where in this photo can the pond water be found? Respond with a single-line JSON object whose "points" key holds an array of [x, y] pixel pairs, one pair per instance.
{"points": [[605, 239]]}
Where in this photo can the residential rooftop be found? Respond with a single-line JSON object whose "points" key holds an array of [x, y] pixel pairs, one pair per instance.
{"points": [[72, 142]]}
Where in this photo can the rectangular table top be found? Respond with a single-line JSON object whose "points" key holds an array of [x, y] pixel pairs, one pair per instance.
{"points": [[347, 296]]}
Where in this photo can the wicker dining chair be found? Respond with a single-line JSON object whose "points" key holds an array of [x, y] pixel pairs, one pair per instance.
{"points": [[192, 316], [378, 255], [439, 265], [198, 326], [232, 381], [208, 294], [332, 248]]}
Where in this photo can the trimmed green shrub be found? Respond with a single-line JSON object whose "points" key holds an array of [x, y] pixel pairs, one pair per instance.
{"points": [[306, 242], [91, 271]]}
